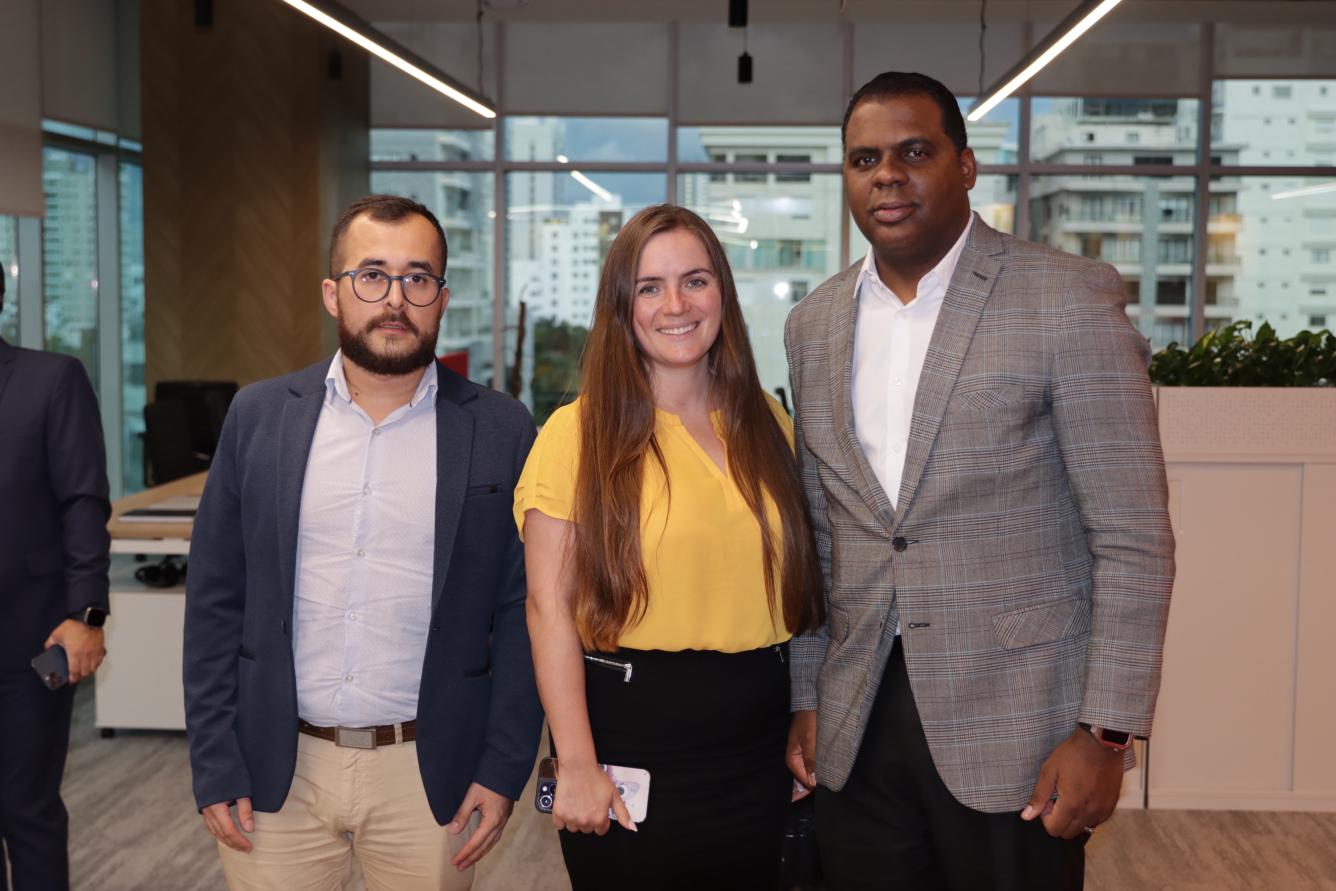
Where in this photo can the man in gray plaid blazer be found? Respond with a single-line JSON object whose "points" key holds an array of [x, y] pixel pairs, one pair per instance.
{"points": [[978, 443]]}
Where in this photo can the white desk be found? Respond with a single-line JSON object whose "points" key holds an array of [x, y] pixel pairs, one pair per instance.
{"points": [[139, 683]]}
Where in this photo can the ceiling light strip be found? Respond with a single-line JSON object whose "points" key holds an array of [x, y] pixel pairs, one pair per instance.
{"points": [[351, 27], [1081, 20], [592, 186], [1319, 189]]}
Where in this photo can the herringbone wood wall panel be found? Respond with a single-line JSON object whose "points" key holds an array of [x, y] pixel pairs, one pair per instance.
{"points": [[234, 202]]}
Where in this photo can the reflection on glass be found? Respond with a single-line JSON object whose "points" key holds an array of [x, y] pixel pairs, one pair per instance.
{"points": [[463, 202], [69, 255], [1272, 252], [131, 187], [996, 138], [750, 145], [782, 240], [586, 139], [1143, 226], [431, 145], [1072, 130], [9, 268], [559, 227], [1274, 122], [993, 198]]}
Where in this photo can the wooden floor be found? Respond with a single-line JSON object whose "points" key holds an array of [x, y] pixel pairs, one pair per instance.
{"points": [[133, 827]]}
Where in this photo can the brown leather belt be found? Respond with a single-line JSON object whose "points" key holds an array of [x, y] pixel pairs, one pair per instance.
{"points": [[362, 737]]}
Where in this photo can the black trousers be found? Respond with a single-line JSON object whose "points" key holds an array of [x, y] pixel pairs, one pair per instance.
{"points": [[895, 825], [34, 737], [711, 730]]}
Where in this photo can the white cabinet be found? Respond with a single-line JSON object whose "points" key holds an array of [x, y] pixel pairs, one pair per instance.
{"points": [[1247, 709], [139, 683]]}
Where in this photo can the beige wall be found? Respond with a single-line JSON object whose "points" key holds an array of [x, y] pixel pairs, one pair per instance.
{"points": [[250, 150]]}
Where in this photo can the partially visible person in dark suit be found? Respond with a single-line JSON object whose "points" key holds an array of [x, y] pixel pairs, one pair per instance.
{"points": [[53, 591]]}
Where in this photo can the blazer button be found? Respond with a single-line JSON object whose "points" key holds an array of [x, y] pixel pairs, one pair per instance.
{"points": [[899, 543]]}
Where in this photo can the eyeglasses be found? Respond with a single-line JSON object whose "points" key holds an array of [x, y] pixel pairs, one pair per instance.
{"points": [[372, 285]]}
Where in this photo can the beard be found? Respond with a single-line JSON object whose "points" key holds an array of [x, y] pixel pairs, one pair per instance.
{"points": [[357, 348]]}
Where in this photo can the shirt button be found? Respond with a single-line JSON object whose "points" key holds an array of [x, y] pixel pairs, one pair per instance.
{"points": [[361, 552], [375, 432], [353, 616], [898, 382], [348, 678], [366, 490], [897, 447]]}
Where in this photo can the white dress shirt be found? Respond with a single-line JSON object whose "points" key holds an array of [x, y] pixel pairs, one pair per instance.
{"points": [[890, 343], [365, 553]]}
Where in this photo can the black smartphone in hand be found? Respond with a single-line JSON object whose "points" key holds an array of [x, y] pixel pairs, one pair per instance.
{"points": [[52, 666]]}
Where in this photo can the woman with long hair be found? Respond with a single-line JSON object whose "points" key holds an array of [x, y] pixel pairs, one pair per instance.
{"points": [[669, 560]]}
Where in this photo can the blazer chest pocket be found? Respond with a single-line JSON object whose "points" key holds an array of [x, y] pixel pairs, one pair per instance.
{"points": [[985, 396], [1045, 623], [484, 489]]}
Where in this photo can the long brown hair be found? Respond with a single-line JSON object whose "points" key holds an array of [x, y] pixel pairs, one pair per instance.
{"points": [[617, 433]]}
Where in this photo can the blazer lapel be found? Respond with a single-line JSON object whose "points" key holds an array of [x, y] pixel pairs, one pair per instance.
{"points": [[296, 433], [844, 316], [454, 453], [964, 302]]}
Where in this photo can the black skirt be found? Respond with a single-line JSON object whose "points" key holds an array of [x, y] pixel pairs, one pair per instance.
{"points": [[711, 729]]}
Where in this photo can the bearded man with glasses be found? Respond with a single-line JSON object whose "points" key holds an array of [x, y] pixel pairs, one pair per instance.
{"points": [[357, 669]]}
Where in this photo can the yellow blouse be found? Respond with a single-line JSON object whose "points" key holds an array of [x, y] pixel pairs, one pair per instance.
{"points": [[702, 547]]}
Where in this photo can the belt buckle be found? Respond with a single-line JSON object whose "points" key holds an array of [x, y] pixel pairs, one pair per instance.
{"points": [[355, 737]]}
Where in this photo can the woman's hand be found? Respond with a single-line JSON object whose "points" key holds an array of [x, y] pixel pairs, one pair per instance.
{"points": [[584, 795]]}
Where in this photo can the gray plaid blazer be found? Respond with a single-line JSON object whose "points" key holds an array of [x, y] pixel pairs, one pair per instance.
{"points": [[1030, 561]]}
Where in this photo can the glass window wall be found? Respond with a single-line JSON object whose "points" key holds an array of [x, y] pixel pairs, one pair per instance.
{"points": [[1274, 122], [1093, 131], [1270, 253], [464, 203], [1141, 225], [443, 146], [133, 394], [782, 241], [69, 255], [559, 226], [9, 268], [586, 139]]}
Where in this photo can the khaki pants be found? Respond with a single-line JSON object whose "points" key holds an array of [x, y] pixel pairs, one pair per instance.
{"points": [[345, 802]]}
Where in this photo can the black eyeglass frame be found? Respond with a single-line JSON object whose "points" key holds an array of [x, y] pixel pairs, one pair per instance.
{"points": [[389, 283]]}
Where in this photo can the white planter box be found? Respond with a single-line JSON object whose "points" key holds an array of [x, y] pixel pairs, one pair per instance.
{"points": [[1247, 709]]}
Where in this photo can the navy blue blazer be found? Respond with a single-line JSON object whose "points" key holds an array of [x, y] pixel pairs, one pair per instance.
{"points": [[53, 499], [478, 712]]}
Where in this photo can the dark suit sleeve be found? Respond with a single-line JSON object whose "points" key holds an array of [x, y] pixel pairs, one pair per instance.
{"points": [[515, 718], [215, 602], [77, 474], [1107, 432]]}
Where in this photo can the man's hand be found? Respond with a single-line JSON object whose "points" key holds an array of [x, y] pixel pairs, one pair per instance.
{"points": [[84, 647], [1078, 786], [495, 810], [218, 820], [801, 753]]}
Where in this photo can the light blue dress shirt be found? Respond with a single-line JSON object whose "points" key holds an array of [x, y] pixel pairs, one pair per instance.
{"points": [[365, 551]]}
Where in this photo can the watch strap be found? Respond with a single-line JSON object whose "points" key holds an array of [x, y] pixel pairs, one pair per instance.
{"points": [[92, 616], [1117, 740]]}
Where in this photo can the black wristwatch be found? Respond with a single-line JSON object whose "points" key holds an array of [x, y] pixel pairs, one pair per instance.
{"points": [[93, 616], [1117, 740]]}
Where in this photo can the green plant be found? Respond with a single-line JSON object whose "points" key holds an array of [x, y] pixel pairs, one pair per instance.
{"points": [[556, 367], [1229, 357]]}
